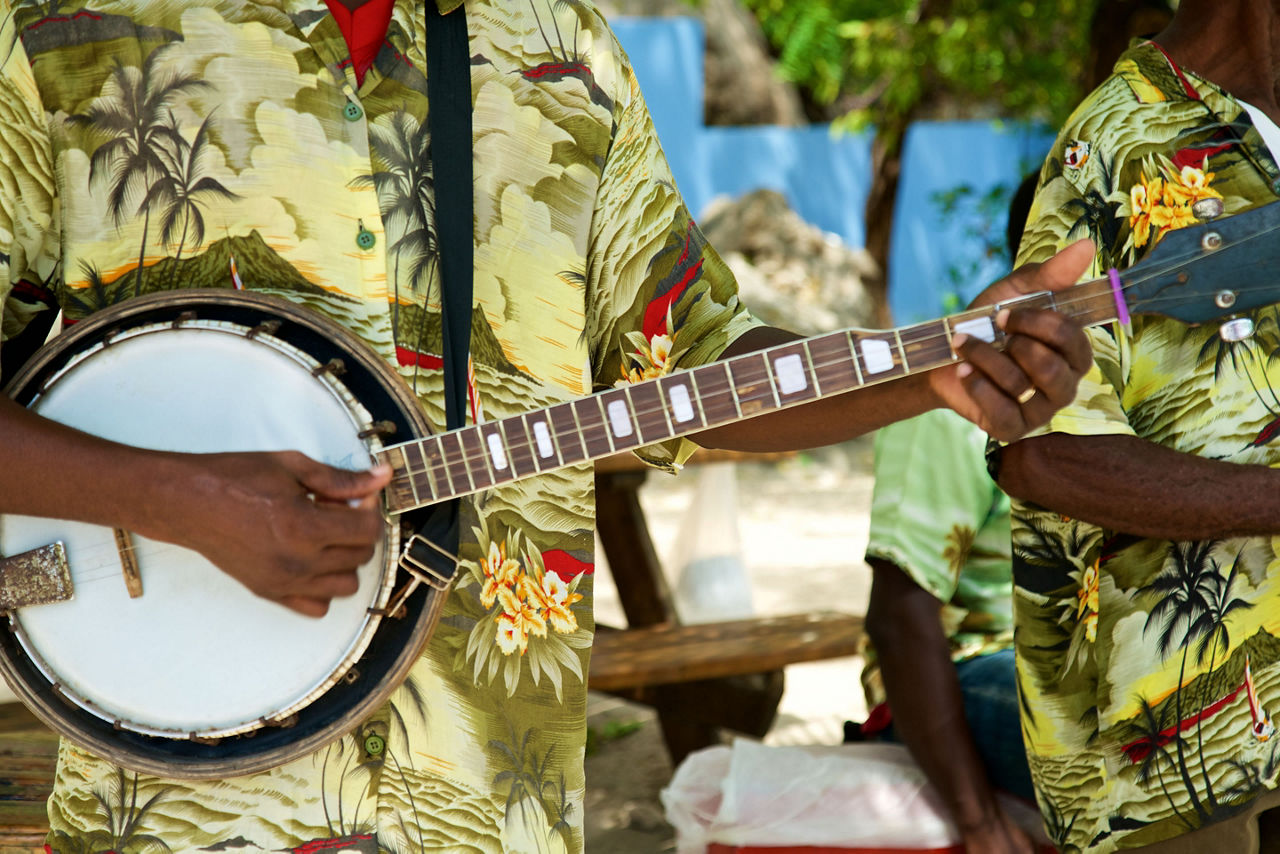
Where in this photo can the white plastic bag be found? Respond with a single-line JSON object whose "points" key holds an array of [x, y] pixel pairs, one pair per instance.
{"points": [[849, 795], [711, 581]]}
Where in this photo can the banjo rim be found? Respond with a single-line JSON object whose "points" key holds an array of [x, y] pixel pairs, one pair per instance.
{"points": [[188, 758]]}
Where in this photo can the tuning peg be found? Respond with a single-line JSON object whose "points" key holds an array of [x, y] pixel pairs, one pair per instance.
{"points": [[1236, 329], [1207, 210]]}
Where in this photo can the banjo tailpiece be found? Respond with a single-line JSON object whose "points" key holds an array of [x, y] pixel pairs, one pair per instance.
{"points": [[36, 577]]}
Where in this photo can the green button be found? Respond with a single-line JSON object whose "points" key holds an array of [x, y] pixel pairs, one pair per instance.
{"points": [[352, 112], [1275, 186], [365, 239], [374, 744]]}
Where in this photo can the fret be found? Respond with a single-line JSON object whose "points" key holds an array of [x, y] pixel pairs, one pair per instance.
{"points": [[475, 455], [751, 384], [808, 361], [852, 336], [876, 355], [698, 396], [565, 433], [902, 351], [520, 452], [593, 426], [925, 345], [432, 461], [403, 489], [790, 367], [455, 463], [681, 407], [651, 417], [834, 366], [715, 395]]}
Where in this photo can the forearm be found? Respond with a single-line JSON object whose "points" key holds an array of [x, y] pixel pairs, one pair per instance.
{"points": [[1130, 485], [924, 694], [823, 422], [54, 471]]}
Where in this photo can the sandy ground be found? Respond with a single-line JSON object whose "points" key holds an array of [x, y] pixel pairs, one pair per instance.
{"points": [[803, 533]]}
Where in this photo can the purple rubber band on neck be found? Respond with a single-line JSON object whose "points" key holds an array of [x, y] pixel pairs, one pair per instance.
{"points": [[1122, 310]]}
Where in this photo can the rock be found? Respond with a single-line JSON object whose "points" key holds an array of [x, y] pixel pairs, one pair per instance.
{"points": [[791, 273], [741, 85]]}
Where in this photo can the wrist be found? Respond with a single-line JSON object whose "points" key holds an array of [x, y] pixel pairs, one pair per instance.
{"points": [[160, 488]]}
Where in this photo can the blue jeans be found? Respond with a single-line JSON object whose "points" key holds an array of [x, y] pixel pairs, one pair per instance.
{"points": [[990, 693]]}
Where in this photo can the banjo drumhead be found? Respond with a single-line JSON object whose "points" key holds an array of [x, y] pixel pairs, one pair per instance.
{"points": [[197, 653]]}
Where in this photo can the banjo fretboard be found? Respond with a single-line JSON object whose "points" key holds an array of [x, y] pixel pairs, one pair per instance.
{"points": [[471, 459]]}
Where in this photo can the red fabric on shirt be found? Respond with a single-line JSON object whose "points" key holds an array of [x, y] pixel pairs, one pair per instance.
{"points": [[365, 30]]}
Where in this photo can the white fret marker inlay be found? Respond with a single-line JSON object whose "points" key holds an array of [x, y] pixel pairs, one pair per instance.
{"points": [[876, 355], [619, 419], [497, 452], [978, 327], [790, 372], [542, 437], [681, 406]]}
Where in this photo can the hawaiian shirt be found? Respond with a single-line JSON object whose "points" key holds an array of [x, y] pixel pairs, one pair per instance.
{"points": [[937, 515], [227, 143], [1148, 668]]}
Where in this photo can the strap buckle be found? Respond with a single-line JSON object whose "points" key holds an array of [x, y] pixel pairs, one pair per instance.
{"points": [[421, 571]]}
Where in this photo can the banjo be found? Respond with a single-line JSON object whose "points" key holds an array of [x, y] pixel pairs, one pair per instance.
{"points": [[145, 653]]}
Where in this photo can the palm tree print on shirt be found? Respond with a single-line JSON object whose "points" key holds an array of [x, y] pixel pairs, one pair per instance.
{"points": [[135, 118]]}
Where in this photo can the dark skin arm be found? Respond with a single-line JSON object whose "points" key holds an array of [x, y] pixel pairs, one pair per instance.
{"points": [[1046, 351], [252, 515], [1123, 483], [928, 709]]}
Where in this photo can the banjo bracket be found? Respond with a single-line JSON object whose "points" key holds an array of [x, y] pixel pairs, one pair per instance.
{"points": [[419, 573]]}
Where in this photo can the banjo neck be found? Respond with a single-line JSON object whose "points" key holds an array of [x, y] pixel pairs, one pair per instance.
{"points": [[470, 459]]}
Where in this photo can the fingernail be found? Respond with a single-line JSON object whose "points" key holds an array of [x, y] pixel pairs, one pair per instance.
{"points": [[963, 370], [957, 340], [1002, 317]]}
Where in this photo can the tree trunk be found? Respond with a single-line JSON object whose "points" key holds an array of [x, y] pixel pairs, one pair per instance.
{"points": [[886, 169]]}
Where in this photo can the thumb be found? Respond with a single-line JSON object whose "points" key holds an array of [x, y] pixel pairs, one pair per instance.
{"points": [[335, 484], [1064, 269], [1061, 271]]}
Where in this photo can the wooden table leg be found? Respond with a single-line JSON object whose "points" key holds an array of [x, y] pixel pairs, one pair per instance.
{"points": [[690, 713]]}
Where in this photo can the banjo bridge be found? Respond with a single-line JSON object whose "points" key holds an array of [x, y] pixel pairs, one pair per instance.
{"points": [[36, 577]]}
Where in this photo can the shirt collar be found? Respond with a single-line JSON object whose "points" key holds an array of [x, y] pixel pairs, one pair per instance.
{"points": [[447, 6]]}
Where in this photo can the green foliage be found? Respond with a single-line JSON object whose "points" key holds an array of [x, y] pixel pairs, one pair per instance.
{"points": [[878, 60], [611, 731]]}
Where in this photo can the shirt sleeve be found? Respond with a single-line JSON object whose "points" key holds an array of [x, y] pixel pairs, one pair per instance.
{"points": [[659, 298], [932, 499], [29, 245]]}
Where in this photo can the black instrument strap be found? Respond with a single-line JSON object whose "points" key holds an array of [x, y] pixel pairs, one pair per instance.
{"points": [[449, 117]]}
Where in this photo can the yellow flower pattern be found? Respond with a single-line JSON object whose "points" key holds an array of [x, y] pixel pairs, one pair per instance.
{"points": [[1164, 198]]}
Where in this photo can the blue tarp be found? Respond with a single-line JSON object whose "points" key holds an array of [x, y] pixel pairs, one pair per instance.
{"points": [[949, 224]]}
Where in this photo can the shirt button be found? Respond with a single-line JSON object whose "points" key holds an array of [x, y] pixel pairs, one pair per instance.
{"points": [[1275, 186], [365, 239], [352, 112], [374, 744]]}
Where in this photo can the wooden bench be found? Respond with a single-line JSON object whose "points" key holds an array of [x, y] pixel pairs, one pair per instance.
{"points": [[28, 753], [698, 678]]}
